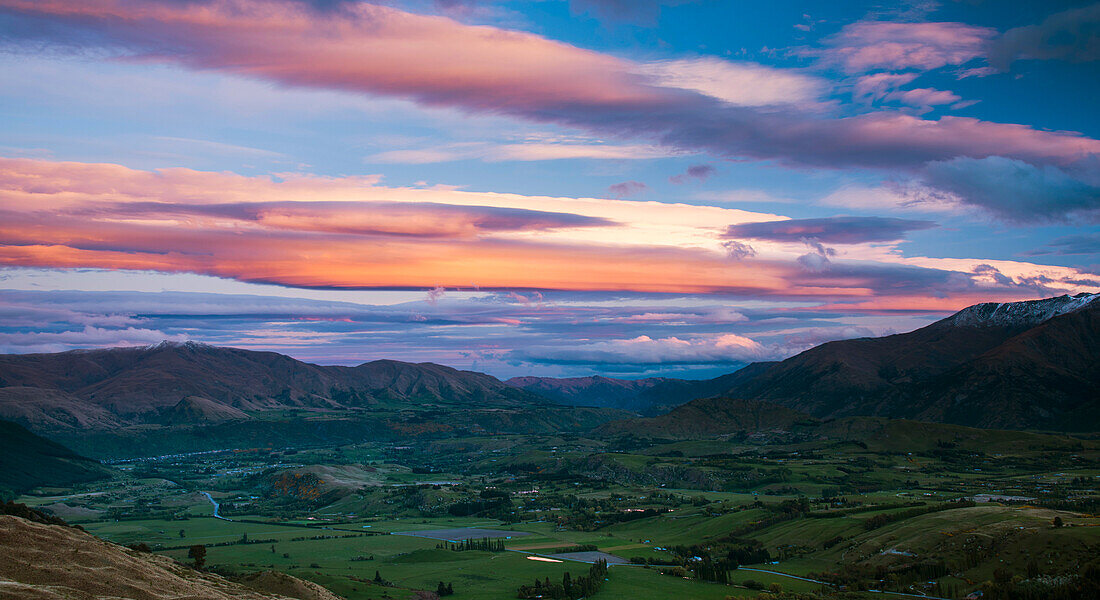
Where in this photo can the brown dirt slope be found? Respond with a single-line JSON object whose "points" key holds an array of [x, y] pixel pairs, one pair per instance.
{"points": [[51, 562]]}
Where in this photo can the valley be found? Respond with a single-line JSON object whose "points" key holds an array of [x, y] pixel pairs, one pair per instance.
{"points": [[893, 510]]}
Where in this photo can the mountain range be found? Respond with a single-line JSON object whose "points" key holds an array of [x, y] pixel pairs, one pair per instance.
{"points": [[1023, 365], [173, 383]]}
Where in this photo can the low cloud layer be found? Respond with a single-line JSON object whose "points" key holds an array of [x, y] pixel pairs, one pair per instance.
{"points": [[503, 333]]}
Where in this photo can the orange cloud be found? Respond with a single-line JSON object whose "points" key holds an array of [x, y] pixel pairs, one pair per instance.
{"points": [[305, 231], [352, 233]]}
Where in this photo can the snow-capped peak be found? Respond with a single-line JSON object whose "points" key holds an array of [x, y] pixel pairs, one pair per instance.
{"points": [[1019, 314], [189, 344]]}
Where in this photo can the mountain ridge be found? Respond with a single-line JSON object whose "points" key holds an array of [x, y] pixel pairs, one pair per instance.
{"points": [[117, 386], [1024, 365]]}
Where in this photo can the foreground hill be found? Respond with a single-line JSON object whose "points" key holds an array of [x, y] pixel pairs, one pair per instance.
{"points": [[48, 562], [28, 461], [187, 383]]}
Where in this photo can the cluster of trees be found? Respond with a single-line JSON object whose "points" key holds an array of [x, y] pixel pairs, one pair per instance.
{"points": [[483, 544], [487, 507], [711, 570], [711, 562], [569, 588], [444, 590]]}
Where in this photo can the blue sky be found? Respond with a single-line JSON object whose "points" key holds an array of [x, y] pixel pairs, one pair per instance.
{"points": [[550, 187]]}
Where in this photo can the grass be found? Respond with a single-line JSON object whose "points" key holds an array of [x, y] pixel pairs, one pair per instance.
{"points": [[1018, 534], [416, 563]]}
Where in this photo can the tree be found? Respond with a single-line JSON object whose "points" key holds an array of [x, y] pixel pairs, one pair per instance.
{"points": [[1058, 522], [440, 590], [378, 577], [182, 533], [198, 553]]}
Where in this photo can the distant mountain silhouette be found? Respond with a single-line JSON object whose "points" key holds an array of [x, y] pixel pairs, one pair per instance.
{"points": [[174, 383], [651, 396], [1021, 365], [709, 417], [626, 394]]}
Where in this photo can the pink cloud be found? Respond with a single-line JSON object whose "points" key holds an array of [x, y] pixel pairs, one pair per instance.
{"points": [[75, 215], [868, 45], [438, 61], [97, 215], [362, 47], [876, 86], [924, 97]]}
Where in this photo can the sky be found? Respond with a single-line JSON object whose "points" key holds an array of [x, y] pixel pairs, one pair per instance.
{"points": [[563, 188]]}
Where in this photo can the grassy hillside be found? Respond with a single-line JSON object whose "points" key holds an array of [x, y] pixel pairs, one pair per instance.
{"points": [[28, 461]]}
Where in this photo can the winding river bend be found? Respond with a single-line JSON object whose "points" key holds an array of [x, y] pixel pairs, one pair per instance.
{"points": [[216, 506]]}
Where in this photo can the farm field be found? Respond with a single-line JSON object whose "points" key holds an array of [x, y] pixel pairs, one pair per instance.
{"points": [[491, 515]]}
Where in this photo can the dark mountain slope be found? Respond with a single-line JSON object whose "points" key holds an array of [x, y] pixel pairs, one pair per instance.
{"points": [[194, 410], [28, 461], [1020, 365], [1049, 374], [1025, 365], [431, 382]]}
